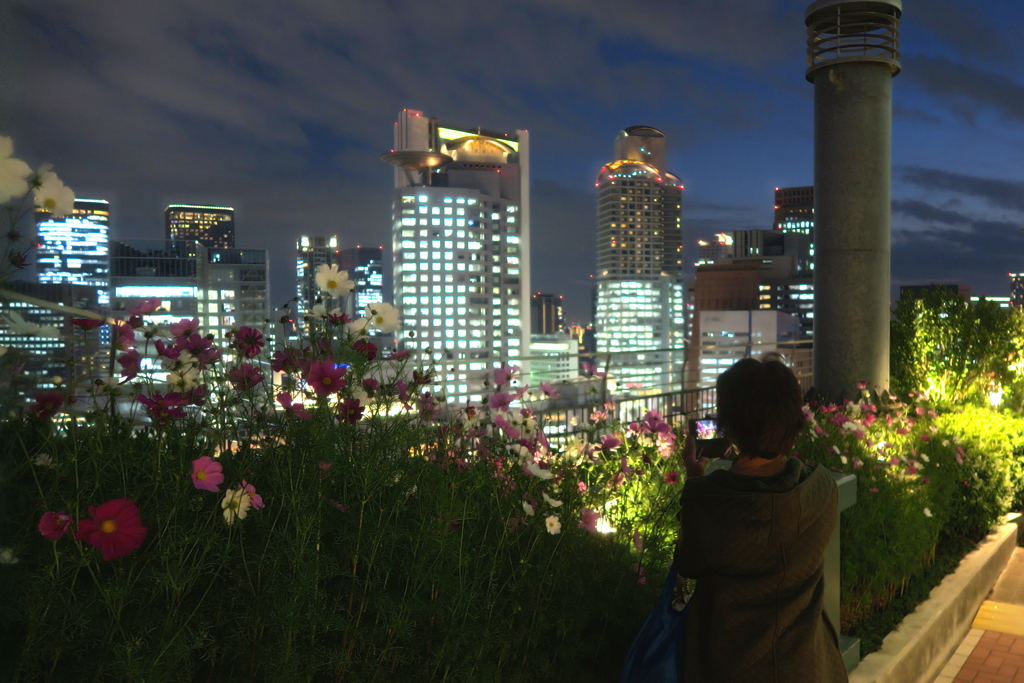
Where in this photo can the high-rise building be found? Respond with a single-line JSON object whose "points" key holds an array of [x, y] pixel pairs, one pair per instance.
{"points": [[41, 360], [311, 252], [1017, 289], [546, 314], [461, 244], [75, 249], [211, 226], [640, 290], [794, 209], [711, 251], [224, 288], [365, 266], [728, 336]]}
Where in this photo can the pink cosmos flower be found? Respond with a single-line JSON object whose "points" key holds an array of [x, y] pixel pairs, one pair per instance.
{"points": [[48, 404], [114, 527], [326, 378], [549, 391], [185, 327], [500, 401], [162, 408], [245, 377], [130, 363], [87, 323], [207, 474], [249, 341], [925, 437], [285, 360], [255, 499], [166, 351], [610, 442], [365, 348], [901, 431], [919, 410], [370, 385], [399, 355], [873, 490], [503, 375], [350, 410], [589, 519], [591, 370], [581, 486], [506, 427], [672, 478], [53, 525], [144, 307], [124, 337], [285, 399]]}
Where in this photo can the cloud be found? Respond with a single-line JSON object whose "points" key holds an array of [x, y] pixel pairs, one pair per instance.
{"points": [[959, 24], [926, 212], [1008, 194], [966, 90]]}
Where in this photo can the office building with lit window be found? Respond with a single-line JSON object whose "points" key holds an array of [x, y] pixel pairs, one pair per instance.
{"points": [[461, 245], [728, 336], [794, 209], [365, 266], [75, 249], [37, 361], [311, 252], [224, 288], [640, 289], [546, 314], [1017, 289], [211, 226]]}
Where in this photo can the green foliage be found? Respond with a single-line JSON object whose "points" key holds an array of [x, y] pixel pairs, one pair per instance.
{"points": [[954, 351], [393, 547], [925, 482]]}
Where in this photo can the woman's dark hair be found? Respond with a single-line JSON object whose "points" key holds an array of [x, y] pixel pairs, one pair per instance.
{"points": [[760, 407]]}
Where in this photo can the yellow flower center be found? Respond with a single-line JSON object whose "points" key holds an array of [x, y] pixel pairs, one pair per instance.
{"points": [[108, 526], [50, 203], [331, 284], [201, 475], [327, 380]]}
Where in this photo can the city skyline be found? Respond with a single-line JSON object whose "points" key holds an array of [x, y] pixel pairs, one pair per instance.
{"points": [[237, 122]]}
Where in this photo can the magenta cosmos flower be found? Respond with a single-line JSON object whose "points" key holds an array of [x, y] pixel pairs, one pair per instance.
{"points": [[53, 525], [244, 377], [48, 404], [255, 499], [114, 527], [249, 341], [350, 410], [144, 307], [285, 399], [207, 474], [588, 519], [87, 323], [184, 327], [326, 378]]}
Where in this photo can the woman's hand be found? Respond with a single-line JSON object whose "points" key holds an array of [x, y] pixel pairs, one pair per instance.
{"points": [[694, 465]]}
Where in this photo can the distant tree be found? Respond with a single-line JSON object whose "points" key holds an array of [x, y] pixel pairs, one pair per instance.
{"points": [[953, 350]]}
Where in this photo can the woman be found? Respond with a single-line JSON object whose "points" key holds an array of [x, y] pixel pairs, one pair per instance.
{"points": [[754, 538]]}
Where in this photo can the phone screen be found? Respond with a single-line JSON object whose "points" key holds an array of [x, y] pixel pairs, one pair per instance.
{"points": [[707, 429]]}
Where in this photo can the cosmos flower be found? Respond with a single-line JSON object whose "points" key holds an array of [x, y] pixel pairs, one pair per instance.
{"points": [[48, 404], [326, 378], [236, 505], [14, 173], [53, 525], [207, 474], [144, 307], [245, 376], [383, 317], [52, 195], [114, 527], [332, 281], [589, 519], [553, 525]]}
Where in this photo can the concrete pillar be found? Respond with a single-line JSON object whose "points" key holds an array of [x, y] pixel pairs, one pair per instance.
{"points": [[853, 56]]}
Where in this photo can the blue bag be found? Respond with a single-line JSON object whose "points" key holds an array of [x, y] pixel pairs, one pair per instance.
{"points": [[656, 653]]}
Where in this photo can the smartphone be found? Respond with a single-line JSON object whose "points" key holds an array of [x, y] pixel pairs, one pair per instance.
{"points": [[707, 429]]}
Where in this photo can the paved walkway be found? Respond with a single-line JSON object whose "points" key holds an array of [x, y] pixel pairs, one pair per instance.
{"points": [[994, 648]]}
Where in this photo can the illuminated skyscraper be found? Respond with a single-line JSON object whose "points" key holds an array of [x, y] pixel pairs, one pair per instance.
{"points": [[211, 226], [461, 239], [546, 314], [75, 249], [794, 209], [365, 266], [311, 252], [640, 292]]}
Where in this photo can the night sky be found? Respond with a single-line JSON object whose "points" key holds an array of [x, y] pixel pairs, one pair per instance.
{"points": [[282, 109]]}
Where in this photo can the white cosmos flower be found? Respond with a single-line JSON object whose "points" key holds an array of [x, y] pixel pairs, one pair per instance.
{"points": [[14, 173], [43, 460], [383, 317], [538, 471], [527, 508], [359, 326], [236, 505], [551, 501], [927, 512], [333, 281], [554, 526], [7, 556], [52, 195]]}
